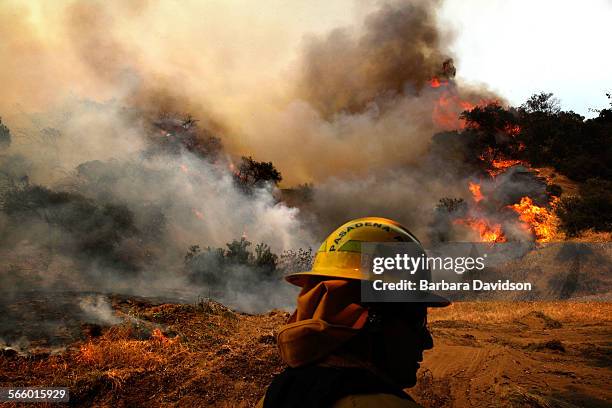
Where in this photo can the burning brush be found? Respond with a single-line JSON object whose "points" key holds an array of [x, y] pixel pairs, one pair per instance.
{"points": [[509, 199], [499, 216]]}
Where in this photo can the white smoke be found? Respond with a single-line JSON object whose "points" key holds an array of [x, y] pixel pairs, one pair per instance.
{"points": [[98, 310], [99, 151]]}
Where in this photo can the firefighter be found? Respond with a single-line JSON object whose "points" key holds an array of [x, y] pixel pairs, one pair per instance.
{"points": [[342, 352]]}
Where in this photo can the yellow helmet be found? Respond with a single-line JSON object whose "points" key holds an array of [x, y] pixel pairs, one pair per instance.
{"points": [[339, 256]]}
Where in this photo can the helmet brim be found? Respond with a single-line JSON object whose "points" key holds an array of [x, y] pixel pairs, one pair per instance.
{"points": [[430, 299], [300, 278]]}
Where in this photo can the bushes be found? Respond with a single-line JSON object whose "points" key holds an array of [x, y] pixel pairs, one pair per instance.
{"points": [[215, 266], [447, 210], [178, 133], [97, 230], [591, 210], [265, 259], [451, 205], [299, 260]]}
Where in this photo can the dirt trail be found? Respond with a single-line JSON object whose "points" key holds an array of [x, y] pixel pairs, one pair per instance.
{"points": [[518, 365]]}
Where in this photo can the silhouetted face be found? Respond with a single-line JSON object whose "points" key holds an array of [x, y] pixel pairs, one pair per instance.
{"points": [[405, 337]]}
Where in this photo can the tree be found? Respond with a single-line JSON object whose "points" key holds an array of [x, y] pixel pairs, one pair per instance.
{"points": [[252, 174], [492, 126], [578, 148], [542, 134], [542, 102], [490, 119]]}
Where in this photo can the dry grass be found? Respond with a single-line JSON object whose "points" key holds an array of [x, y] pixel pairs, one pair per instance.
{"points": [[205, 355], [114, 352], [592, 236], [501, 312]]}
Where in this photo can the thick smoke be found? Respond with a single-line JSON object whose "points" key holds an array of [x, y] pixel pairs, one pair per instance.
{"points": [[353, 99], [399, 49], [350, 109], [105, 201]]}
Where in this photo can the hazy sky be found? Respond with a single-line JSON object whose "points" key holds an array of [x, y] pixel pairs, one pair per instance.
{"points": [[518, 47]]}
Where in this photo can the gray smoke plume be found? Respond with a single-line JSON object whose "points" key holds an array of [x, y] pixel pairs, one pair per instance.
{"points": [[104, 201], [399, 49]]}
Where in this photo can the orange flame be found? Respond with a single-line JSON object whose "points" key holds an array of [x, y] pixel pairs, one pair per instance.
{"points": [[86, 353], [539, 220], [497, 165], [436, 83], [500, 166], [159, 337], [475, 190], [449, 105], [232, 167], [447, 109], [488, 232]]}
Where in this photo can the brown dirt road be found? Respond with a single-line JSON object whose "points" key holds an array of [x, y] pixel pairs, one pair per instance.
{"points": [[532, 361]]}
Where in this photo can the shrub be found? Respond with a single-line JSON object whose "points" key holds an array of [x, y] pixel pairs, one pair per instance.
{"points": [[214, 266], [592, 209], [97, 229]]}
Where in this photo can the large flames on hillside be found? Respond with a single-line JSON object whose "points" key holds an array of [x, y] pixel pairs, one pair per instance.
{"points": [[539, 222]]}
